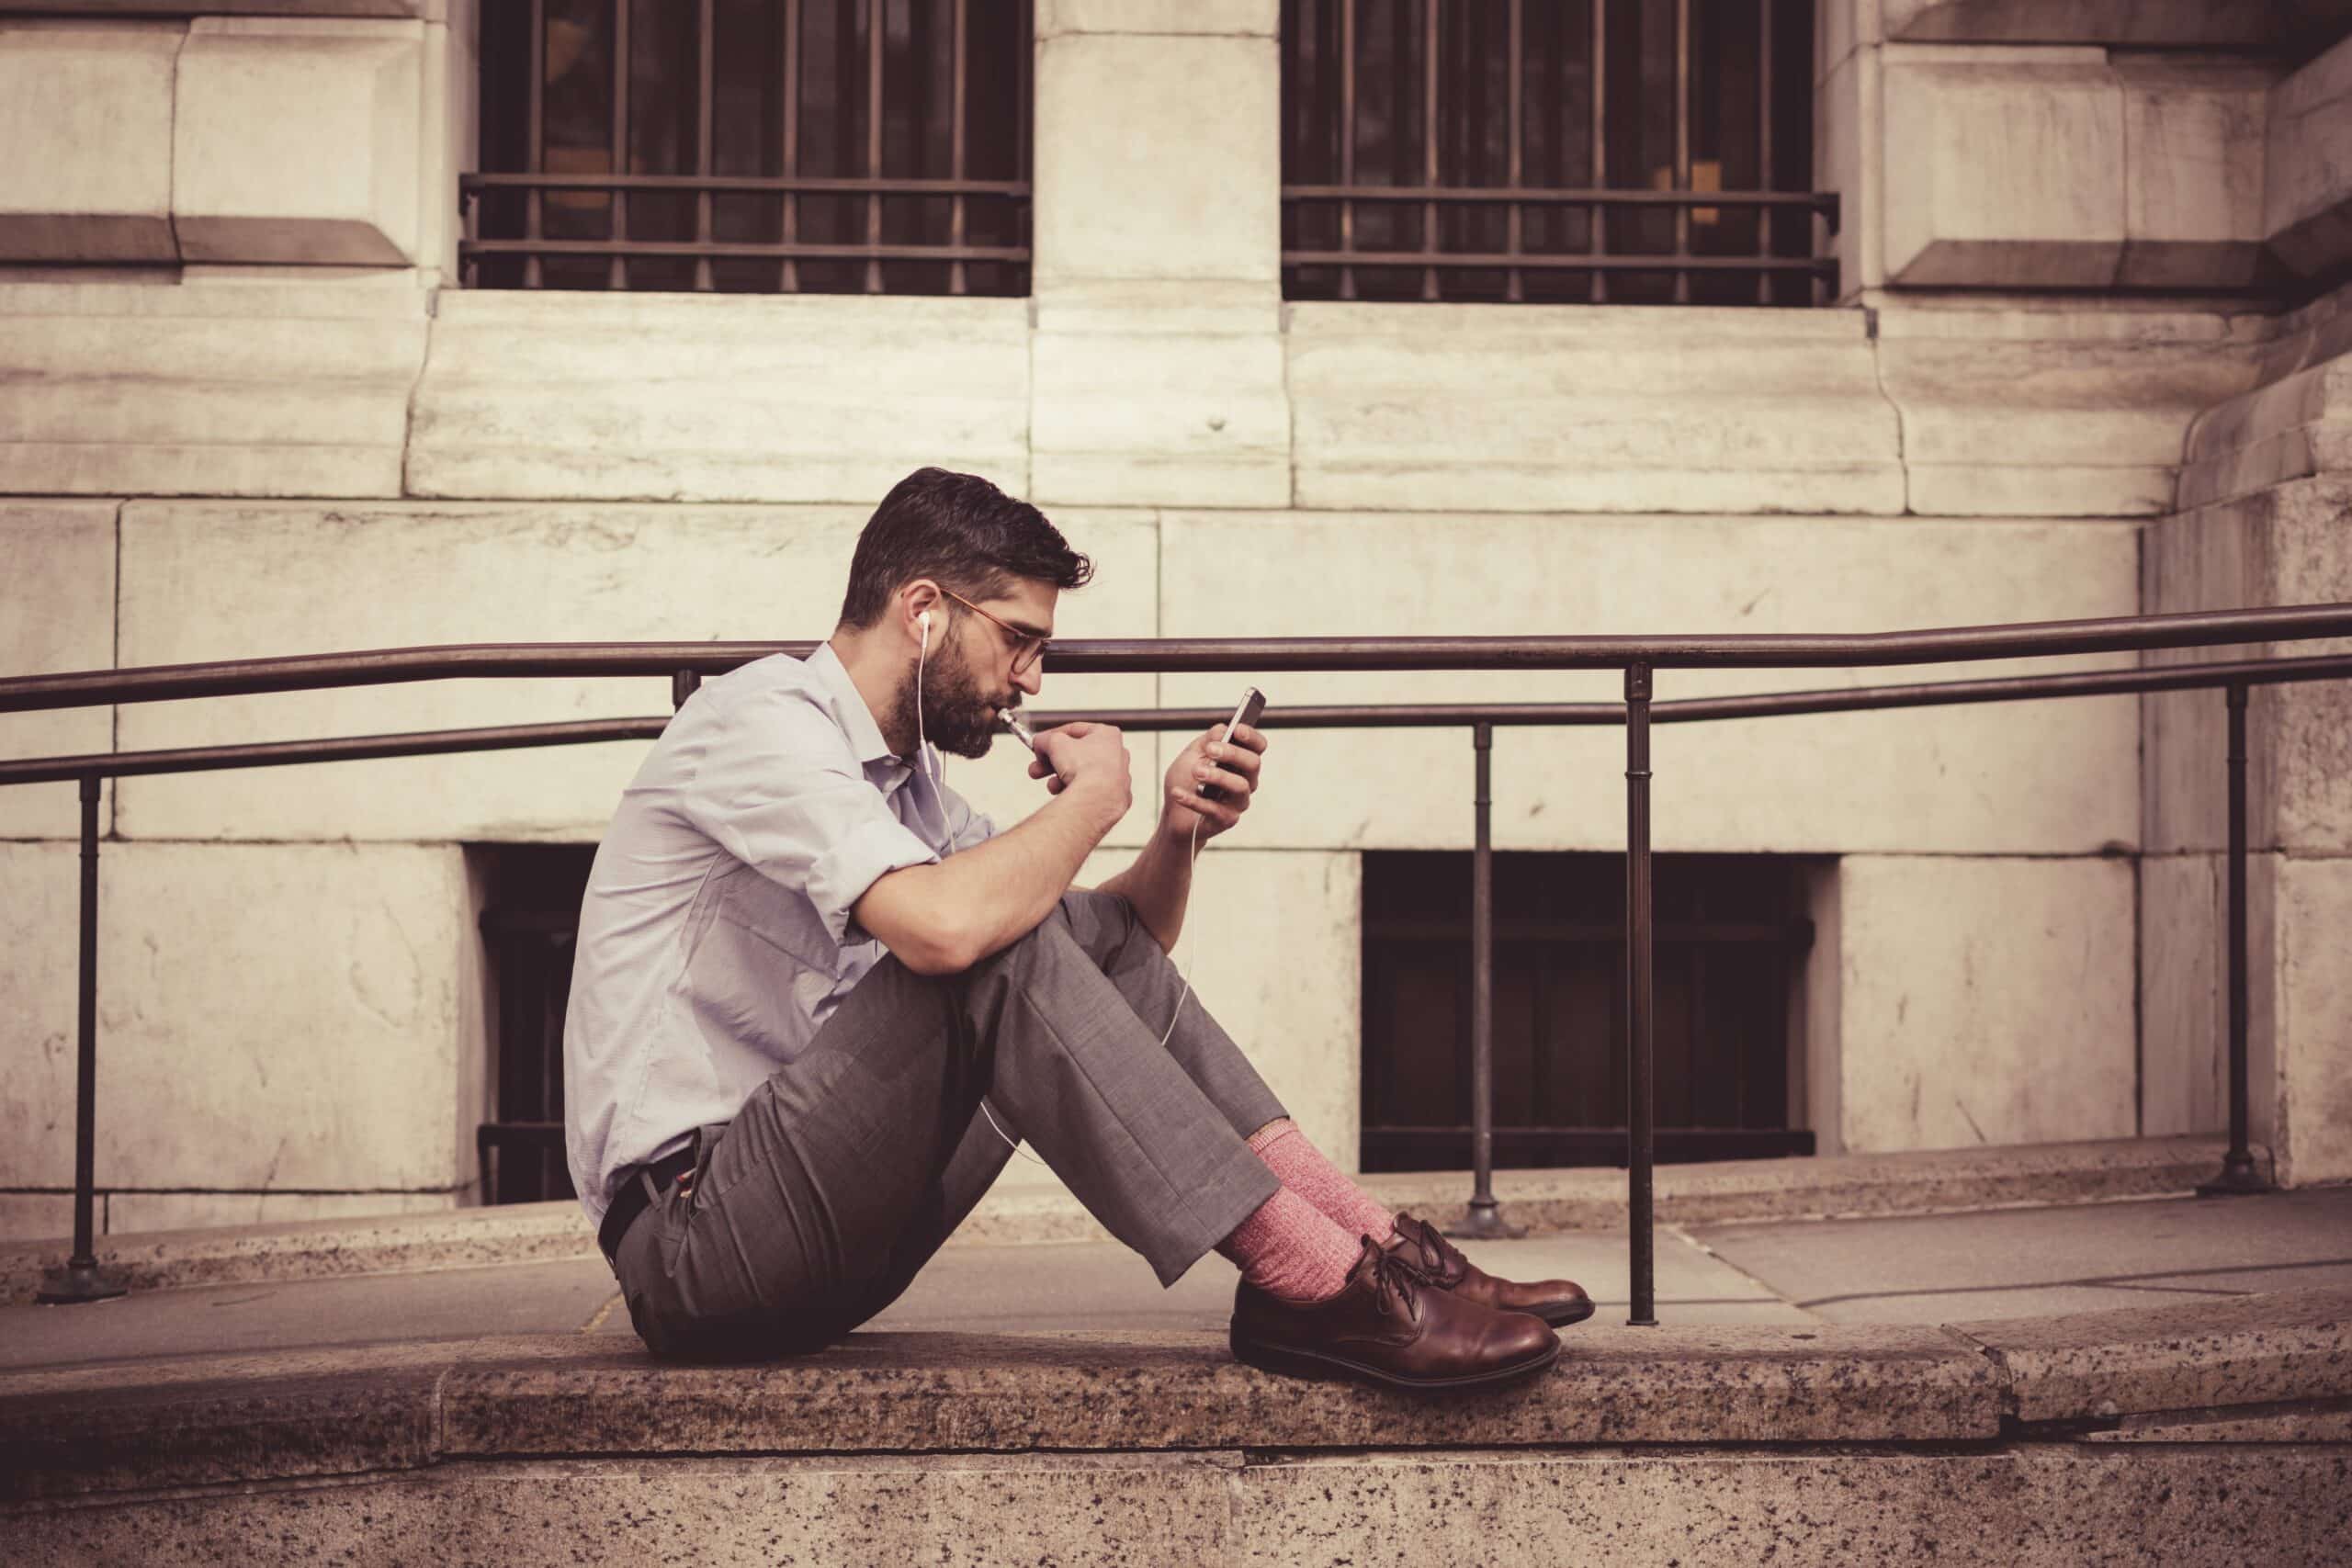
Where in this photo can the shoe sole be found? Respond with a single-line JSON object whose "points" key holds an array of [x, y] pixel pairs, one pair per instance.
{"points": [[1311, 1364]]}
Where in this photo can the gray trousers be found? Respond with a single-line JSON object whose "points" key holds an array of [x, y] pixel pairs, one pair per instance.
{"points": [[812, 1210]]}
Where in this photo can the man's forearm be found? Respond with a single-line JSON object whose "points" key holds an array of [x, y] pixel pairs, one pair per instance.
{"points": [[1158, 883], [950, 916]]}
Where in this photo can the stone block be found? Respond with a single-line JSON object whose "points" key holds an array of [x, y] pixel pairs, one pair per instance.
{"points": [[2193, 161], [1157, 157], [85, 113], [2038, 1505], [1849, 157], [2310, 561], [2307, 166], [1528, 408], [834, 1511], [2284, 1345], [2013, 168], [315, 580], [1272, 949], [299, 141], [806, 398], [2314, 1022], [2184, 996], [2042, 1505], [2045, 778], [56, 613], [2060, 412], [220, 388], [1244, 19], [2295, 426], [1150, 418], [2209, 558], [40, 914], [269, 1016], [1985, 1000]]}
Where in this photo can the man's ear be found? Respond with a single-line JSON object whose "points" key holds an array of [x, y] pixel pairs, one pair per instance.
{"points": [[917, 600]]}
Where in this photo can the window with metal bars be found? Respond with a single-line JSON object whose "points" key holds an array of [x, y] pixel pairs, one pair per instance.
{"points": [[1730, 945], [752, 146], [1559, 152], [530, 924]]}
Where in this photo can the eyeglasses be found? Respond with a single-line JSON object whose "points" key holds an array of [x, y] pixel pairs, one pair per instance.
{"points": [[1027, 646]]}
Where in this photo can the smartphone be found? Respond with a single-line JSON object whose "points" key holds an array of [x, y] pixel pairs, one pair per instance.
{"points": [[1252, 704]]}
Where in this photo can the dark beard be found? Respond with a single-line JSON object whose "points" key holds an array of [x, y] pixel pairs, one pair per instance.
{"points": [[955, 716]]}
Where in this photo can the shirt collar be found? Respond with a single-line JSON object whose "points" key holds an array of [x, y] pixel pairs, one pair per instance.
{"points": [[857, 720]]}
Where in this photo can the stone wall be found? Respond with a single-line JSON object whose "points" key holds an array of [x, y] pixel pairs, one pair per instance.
{"points": [[2264, 495], [310, 442]]}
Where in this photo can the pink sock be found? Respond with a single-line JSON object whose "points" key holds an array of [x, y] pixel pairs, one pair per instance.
{"points": [[1304, 1171], [1289, 1250]]}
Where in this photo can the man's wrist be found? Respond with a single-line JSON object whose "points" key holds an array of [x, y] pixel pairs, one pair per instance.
{"points": [[1105, 802]]}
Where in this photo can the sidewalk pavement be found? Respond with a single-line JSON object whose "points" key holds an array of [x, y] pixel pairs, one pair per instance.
{"points": [[1926, 1269]]}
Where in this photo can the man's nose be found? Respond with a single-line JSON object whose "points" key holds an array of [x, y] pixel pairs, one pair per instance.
{"points": [[1032, 679]]}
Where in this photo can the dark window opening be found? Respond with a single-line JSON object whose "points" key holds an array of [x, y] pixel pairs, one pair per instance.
{"points": [[1546, 151], [753, 146], [530, 922], [1730, 945]]}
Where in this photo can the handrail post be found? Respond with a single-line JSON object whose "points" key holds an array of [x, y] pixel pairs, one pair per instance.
{"points": [[81, 1279], [2238, 1174], [1484, 1217], [1640, 1062], [684, 684]]}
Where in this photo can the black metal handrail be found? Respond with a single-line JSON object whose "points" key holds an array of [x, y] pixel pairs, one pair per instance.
{"points": [[82, 1279], [1766, 650]]}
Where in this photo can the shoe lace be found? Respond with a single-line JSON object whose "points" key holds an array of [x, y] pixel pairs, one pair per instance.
{"points": [[1432, 1257], [1395, 1279]]}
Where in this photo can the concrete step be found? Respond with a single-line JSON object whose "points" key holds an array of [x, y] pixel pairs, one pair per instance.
{"points": [[2212, 1432]]}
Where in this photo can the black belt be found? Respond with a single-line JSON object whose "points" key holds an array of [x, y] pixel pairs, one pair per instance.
{"points": [[637, 1185]]}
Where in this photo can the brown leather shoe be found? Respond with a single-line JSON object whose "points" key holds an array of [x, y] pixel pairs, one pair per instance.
{"points": [[1387, 1326], [1557, 1301]]}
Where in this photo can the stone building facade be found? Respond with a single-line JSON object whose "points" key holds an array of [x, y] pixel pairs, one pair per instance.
{"points": [[2082, 359]]}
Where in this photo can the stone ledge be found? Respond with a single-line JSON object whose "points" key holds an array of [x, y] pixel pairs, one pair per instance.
{"points": [[885, 1391], [2286, 1346], [210, 1420]]}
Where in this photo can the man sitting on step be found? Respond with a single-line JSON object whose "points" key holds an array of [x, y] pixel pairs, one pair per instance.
{"points": [[817, 996]]}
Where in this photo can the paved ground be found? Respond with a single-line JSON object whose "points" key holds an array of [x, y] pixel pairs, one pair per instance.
{"points": [[1930, 1269]]}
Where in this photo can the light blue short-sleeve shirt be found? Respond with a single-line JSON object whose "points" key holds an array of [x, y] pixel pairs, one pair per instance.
{"points": [[716, 936]]}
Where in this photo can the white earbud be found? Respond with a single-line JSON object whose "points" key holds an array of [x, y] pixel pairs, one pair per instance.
{"points": [[923, 620]]}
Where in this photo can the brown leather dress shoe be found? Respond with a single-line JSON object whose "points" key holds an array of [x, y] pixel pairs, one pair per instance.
{"points": [[1557, 1301], [1387, 1326]]}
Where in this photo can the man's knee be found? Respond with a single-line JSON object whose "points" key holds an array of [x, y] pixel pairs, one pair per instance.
{"points": [[1101, 922]]}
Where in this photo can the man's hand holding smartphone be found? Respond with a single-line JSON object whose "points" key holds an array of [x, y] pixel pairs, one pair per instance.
{"points": [[1208, 785], [1212, 780]]}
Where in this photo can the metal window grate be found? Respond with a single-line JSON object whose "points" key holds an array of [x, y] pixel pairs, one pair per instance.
{"points": [[1630, 151], [530, 925], [1730, 947], [753, 146]]}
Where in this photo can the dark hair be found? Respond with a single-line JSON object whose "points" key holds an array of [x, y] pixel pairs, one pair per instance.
{"points": [[961, 530]]}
